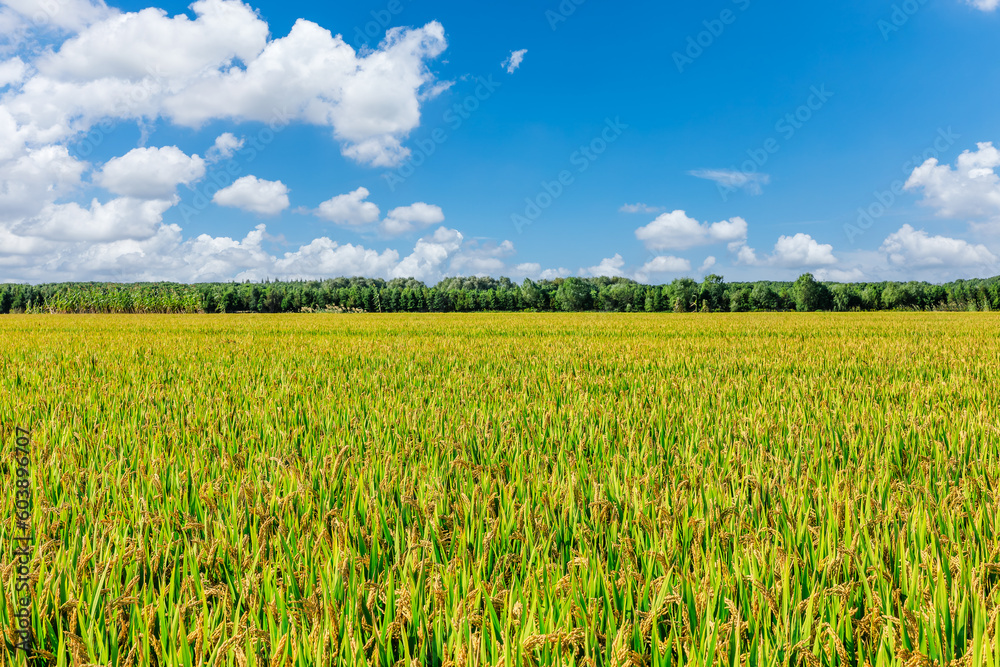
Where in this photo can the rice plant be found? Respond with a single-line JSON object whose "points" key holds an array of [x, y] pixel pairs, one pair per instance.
{"points": [[599, 490]]}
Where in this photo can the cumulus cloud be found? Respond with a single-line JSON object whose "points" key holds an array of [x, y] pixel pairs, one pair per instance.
{"points": [[70, 15], [121, 218], [222, 65], [730, 180], [255, 195], [640, 208], [150, 173], [324, 257], [353, 210], [218, 62], [405, 219], [917, 249], [658, 266], [609, 266], [526, 270], [481, 259], [677, 231], [133, 45], [157, 252], [840, 275], [11, 136], [552, 274], [969, 190], [666, 264], [36, 178], [350, 210], [429, 255], [514, 61], [12, 71], [534, 271], [166, 256], [801, 251], [225, 146], [707, 264]]}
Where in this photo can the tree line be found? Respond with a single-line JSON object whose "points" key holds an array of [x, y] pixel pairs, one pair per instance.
{"points": [[484, 294]]}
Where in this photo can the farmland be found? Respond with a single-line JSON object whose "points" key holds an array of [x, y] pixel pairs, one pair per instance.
{"points": [[578, 489]]}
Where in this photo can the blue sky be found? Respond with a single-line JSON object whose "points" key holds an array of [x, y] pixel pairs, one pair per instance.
{"points": [[521, 139]]}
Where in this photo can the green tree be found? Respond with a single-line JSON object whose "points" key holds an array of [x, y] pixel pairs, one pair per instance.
{"points": [[739, 300], [763, 297], [573, 295], [683, 294], [845, 298], [810, 295], [228, 303], [712, 294]]}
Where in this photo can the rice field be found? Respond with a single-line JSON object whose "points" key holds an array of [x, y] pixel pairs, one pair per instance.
{"points": [[591, 490]]}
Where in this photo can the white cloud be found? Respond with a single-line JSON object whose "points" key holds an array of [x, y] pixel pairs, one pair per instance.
{"points": [[405, 219], [661, 265], [122, 218], [840, 275], [552, 274], [709, 262], [985, 5], [12, 71], [747, 255], [801, 251], [14, 30], [917, 249], [324, 257], [610, 267], [429, 255], [534, 271], [225, 146], [481, 259], [792, 252], [351, 209], [250, 193], [970, 190], [666, 264], [163, 254], [514, 61], [677, 231], [69, 15], [640, 208], [11, 138], [372, 103], [132, 45], [36, 178], [220, 65], [734, 180], [527, 270], [150, 173]]}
